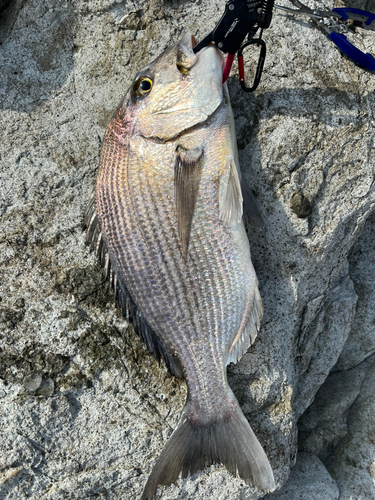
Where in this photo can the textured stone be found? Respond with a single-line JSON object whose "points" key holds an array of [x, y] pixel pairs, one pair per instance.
{"points": [[300, 205], [323, 338], [361, 341], [339, 428], [309, 128], [308, 480], [324, 423], [352, 462], [46, 388], [32, 382]]}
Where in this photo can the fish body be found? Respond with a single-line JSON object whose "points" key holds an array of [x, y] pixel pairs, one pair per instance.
{"points": [[167, 219]]}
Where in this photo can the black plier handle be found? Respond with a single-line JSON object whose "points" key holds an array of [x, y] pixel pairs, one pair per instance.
{"points": [[241, 19], [233, 27]]}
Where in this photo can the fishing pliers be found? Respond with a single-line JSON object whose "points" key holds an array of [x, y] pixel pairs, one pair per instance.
{"points": [[241, 19], [332, 23]]}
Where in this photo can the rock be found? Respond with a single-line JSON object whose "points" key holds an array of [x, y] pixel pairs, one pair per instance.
{"points": [[361, 341], [352, 462], [308, 480], [46, 388], [8, 13], [307, 129], [300, 205], [32, 382], [323, 338], [339, 428], [324, 423]]}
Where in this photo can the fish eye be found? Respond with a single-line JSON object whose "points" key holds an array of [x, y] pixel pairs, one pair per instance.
{"points": [[143, 86]]}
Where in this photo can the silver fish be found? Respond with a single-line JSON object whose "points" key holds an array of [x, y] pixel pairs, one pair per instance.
{"points": [[167, 223]]}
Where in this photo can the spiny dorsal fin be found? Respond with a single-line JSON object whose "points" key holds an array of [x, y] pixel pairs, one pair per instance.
{"points": [[230, 195], [250, 331], [187, 175], [96, 240]]}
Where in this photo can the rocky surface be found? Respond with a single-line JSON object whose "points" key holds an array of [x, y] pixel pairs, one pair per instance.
{"points": [[84, 409], [308, 480], [361, 339], [339, 428]]}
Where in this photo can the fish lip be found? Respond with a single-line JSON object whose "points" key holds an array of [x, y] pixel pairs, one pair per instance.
{"points": [[189, 41], [210, 46], [169, 111]]}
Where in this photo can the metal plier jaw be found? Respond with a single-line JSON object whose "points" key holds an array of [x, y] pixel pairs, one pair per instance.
{"points": [[332, 23], [241, 19]]}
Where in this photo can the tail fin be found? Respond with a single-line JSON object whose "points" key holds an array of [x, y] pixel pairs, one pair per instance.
{"points": [[229, 441]]}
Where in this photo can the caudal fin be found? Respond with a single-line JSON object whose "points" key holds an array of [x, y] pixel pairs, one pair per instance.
{"points": [[229, 441]]}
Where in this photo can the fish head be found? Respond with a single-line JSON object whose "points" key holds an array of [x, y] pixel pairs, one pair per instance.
{"points": [[178, 91]]}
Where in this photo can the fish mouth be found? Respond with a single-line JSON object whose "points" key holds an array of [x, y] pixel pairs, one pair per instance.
{"points": [[185, 57], [189, 41]]}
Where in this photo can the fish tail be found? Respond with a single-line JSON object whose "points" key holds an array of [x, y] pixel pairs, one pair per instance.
{"points": [[193, 446]]}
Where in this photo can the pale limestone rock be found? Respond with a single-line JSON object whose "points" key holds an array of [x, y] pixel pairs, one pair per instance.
{"points": [[324, 423], [323, 339], [32, 382]]}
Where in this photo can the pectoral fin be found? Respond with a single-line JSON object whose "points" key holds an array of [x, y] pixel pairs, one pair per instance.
{"points": [[230, 196], [188, 170], [248, 335]]}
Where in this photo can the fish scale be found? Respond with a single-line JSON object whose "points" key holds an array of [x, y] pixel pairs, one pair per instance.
{"points": [[168, 204], [136, 229], [184, 269], [165, 232], [133, 259], [180, 289]]}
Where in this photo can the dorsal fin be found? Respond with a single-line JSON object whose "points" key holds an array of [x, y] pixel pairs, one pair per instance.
{"points": [[96, 240], [250, 331]]}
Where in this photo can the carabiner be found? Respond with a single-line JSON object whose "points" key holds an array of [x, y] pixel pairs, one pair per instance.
{"points": [[262, 57]]}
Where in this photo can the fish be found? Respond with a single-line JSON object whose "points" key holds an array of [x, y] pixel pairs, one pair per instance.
{"points": [[167, 222]]}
